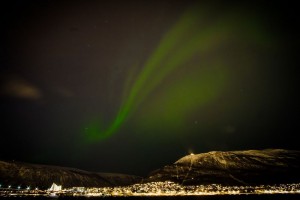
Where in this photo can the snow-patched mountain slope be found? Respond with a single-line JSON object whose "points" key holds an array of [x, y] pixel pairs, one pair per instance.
{"points": [[242, 159], [234, 167], [42, 176]]}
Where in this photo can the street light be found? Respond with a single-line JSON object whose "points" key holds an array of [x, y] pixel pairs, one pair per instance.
{"points": [[9, 186], [19, 187]]}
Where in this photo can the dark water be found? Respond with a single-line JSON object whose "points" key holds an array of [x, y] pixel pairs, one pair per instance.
{"points": [[212, 197]]}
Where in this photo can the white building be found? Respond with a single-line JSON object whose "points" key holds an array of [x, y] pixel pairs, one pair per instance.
{"points": [[55, 188]]}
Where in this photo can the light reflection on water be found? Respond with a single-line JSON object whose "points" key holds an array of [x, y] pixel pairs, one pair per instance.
{"points": [[209, 197]]}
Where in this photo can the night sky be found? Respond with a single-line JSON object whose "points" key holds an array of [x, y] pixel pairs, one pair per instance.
{"points": [[130, 86]]}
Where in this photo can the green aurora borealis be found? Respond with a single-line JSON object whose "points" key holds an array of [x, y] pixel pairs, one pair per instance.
{"points": [[130, 86], [188, 45]]}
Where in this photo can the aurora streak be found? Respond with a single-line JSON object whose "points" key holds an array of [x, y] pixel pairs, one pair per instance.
{"points": [[188, 40]]}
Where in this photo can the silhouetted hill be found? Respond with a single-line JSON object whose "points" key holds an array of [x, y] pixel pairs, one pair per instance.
{"points": [[42, 176], [268, 166]]}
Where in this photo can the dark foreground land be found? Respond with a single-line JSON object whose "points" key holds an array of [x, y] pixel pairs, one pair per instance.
{"points": [[209, 197]]}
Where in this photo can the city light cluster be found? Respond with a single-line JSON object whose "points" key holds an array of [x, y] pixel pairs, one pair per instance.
{"points": [[166, 188]]}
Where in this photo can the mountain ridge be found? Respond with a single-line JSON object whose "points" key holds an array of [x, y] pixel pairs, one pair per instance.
{"points": [[248, 167], [42, 176], [233, 167]]}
